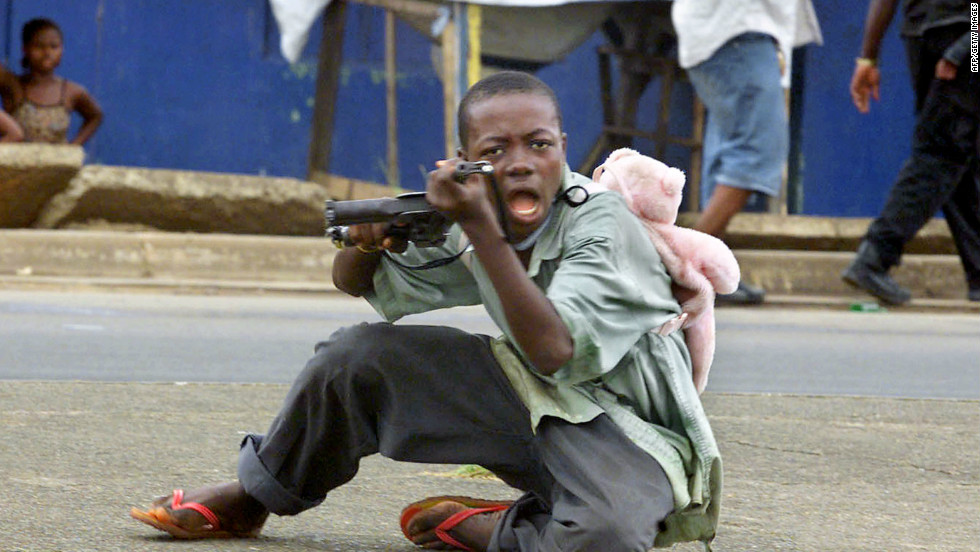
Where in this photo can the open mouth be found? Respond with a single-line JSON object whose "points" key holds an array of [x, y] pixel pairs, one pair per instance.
{"points": [[523, 205]]}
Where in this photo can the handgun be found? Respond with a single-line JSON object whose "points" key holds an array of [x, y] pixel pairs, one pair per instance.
{"points": [[409, 215]]}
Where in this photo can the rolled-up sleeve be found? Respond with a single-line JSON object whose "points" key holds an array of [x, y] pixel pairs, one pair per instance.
{"points": [[400, 291]]}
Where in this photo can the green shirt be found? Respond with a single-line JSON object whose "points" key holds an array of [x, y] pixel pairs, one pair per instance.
{"points": [[599, 268]]}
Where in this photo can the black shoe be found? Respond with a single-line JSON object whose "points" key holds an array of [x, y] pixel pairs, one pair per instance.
{"points": [[974, 295], [867, 273], [744, 295]]}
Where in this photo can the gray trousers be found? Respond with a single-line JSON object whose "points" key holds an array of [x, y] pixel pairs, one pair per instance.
{"points": [[437, 395]]}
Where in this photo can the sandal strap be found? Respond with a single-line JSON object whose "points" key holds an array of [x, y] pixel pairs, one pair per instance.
{"points": [[178, 504], [450, 523]]}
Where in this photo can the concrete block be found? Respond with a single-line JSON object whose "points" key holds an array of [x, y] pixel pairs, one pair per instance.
{"points": [[813, 233], [165, 256], [817, 273], [225, 257], [30, 175], [74, 254], [189, 201]]}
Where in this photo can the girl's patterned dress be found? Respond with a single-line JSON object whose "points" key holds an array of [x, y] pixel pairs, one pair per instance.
{"points": [[44, 123]]}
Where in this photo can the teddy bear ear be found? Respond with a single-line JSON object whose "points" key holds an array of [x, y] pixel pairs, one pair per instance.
{"points": [[674, 179], [620, 153], [671, 180]]}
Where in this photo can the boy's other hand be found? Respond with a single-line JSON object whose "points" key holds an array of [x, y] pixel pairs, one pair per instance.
{"points": [[374, 236]]}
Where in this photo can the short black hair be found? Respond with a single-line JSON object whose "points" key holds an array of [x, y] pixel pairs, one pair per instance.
{"points": [[504, 82], [32, 28]]}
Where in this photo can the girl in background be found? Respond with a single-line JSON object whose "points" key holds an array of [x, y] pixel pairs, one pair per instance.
{"points": [[40, 101]]}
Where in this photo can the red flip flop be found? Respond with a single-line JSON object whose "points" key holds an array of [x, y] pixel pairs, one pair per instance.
{"points": [[475, 506], [161, 519]]}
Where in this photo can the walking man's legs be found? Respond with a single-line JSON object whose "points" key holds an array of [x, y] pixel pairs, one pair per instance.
{"points": [[962, 213], [746, 137], [940, 173]]}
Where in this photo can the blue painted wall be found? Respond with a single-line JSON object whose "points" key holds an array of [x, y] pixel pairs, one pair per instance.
{"points": [[185, 84], [201, 85], [850, 160]]}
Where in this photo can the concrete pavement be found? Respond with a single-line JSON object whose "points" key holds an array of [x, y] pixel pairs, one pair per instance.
{"points": [[802, 473]]}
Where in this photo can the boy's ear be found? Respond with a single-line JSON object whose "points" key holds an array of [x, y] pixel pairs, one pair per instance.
{"points": [[564, 143], [461, 153]]}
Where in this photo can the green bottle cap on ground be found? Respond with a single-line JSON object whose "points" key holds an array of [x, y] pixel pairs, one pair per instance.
{"points": [[867, 306]]}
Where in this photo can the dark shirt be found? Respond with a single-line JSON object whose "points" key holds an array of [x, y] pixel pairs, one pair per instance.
{"points": [[922, 15]]}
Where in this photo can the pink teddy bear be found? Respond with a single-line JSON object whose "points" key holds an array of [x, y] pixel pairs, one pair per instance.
{"points": [[699, 264]]}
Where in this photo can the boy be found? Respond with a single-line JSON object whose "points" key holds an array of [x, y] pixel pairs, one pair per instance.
{"points": [[578, 403]]}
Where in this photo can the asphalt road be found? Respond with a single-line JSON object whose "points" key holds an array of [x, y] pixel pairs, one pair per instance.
{"points": [[882, 473], [99, 336]]}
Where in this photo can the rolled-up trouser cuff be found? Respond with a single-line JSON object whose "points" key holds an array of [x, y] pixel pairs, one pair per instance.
{"points": [[261, 486]]}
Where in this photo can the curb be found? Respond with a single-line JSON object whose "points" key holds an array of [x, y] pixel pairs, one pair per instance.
{"points": [[162, 255], [223, 263]]}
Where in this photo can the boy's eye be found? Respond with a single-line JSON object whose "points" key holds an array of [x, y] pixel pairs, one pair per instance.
{"points": [[491, 152], [540, 144]]}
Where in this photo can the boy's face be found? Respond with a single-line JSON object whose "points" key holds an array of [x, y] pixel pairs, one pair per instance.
{"points": [[44, 51], [520, 135]]}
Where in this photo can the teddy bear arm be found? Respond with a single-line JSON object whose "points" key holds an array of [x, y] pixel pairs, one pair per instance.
{"points": [[712, 258], [680, 259], [722, 271]]}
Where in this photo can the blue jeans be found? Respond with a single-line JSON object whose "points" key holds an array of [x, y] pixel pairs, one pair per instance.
{"points": [[746, 139]]}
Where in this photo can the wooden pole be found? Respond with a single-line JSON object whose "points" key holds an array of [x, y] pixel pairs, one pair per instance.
{"points": [[450, 78], [327, 80], [697, 154], [391, 99], [474, 24]]}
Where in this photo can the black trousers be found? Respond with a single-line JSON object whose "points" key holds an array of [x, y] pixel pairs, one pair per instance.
{"points": [[437, 395], [943, 171]]}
